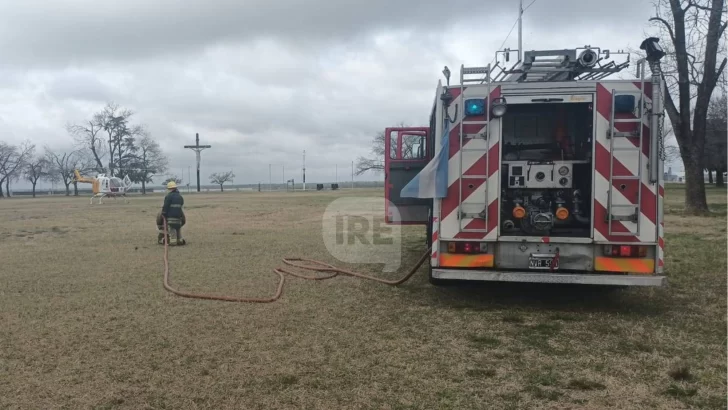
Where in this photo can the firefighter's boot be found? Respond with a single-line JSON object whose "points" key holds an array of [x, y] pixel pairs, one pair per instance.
{"points": [[176, 235]]}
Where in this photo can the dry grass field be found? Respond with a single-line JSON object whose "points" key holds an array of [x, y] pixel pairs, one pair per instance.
{"points": [[86, 324]]}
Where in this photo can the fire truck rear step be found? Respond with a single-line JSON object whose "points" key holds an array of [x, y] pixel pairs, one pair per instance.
{"points": [[544, 277]]}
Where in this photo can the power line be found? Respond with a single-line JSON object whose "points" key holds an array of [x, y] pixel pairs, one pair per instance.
{"points": [[520, 13]]}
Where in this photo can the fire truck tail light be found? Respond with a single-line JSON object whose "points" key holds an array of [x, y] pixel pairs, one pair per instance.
{"points": [[625, 251], [467, 247]]}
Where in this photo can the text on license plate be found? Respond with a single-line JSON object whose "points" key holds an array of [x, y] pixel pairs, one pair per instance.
{"points": [[542, 263]]}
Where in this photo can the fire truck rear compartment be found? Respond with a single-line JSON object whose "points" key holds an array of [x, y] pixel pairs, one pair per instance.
{"points": [[546, 186]]}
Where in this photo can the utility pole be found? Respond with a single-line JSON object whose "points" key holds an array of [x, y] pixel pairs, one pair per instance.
{"points": [[352, 175], [270, 179], [198, 148], [337, 174], [520, 30], [304, 170]]}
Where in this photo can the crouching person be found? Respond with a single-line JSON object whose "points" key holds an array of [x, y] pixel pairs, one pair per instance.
{"points": [[172, 211]]}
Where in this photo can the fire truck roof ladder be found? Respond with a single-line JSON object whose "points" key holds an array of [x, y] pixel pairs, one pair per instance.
{"points": [[560, 65], [613, 134], [480, 149]]}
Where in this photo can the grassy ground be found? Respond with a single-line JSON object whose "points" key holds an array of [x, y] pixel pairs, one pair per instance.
{"points": [[85, 322]]}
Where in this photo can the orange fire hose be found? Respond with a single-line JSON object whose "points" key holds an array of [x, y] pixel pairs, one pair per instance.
{"points": [[322, 267]]}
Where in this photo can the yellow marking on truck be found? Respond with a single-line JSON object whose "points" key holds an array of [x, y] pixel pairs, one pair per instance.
{"points": [[631, 265], [466, 261]]}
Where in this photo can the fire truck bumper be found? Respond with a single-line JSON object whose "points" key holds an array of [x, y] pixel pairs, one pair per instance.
{"points": [[538, 277]]}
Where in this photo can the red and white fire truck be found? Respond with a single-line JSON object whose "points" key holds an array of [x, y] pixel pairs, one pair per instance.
{"points": [[554, 173]]}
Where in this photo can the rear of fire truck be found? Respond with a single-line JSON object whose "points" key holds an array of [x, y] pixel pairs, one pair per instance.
{"points": [[545, 172]]}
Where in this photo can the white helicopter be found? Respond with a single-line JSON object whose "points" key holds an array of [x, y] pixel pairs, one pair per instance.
{"points": [[105, 187]]}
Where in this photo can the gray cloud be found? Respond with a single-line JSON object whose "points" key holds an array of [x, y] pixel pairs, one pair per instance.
{"points": [[83, 31], [82, 86]]}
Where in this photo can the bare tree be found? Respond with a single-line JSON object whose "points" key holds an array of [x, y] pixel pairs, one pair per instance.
{"points": [[63, 165], [12, 161], [6, 153], [120, 136], [110, 138], [174, 178], [87, 137], [715, 140], [375, 163], [672, 153], [222, 178], [36, 168], [149, 161], [692, 31]]}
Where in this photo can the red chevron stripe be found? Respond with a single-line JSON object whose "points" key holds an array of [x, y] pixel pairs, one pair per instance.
{"points": [[649, 204], [649, 200], [480, 224], [471, 235], [450, 202], [648, 88], [454, 137], [604, 108], [455, 92], [600, 215], [454, 141], [479, 167]]}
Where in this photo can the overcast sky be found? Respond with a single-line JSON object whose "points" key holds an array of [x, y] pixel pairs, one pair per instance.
{"points": [[260, 80]]}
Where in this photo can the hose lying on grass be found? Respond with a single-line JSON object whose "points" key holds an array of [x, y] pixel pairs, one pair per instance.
{"points": [[317, 266]]}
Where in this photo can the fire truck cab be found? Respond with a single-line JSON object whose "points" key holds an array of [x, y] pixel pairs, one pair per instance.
{"points": [[545, 172]]}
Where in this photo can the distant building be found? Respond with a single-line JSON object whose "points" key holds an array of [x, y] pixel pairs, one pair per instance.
{"points": [[670, 177]]}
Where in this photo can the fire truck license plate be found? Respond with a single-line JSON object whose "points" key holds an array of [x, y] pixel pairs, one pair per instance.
{"points": [[536, 262]]}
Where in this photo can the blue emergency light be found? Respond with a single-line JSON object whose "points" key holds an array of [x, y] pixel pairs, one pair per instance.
{"points": [[624, 103], [475, 106]]}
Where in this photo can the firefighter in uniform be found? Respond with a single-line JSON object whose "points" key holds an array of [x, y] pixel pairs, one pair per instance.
{"points": [[173, 212]]}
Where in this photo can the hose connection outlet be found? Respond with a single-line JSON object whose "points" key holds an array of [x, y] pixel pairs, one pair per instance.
{"points": [[519, 212]]}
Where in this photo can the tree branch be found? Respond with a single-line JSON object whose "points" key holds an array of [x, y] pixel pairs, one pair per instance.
{"points": [[672, 112], [697, 6], [667, 25], [718, 73]]}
